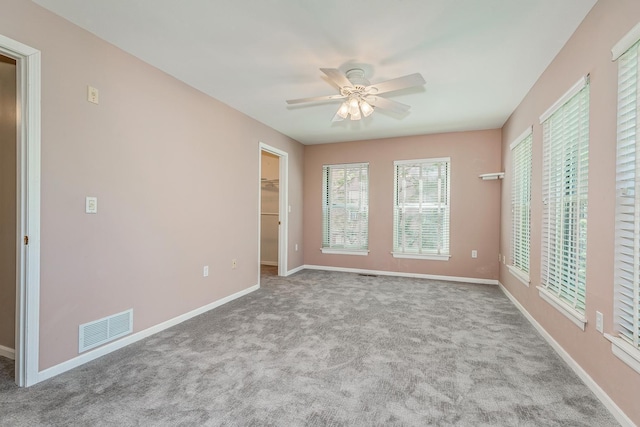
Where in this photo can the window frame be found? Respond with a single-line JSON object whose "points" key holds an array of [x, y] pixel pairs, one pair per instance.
{"points": [[564, 222], [442, 253], [362, 208], [625, 343], [521, 149]]}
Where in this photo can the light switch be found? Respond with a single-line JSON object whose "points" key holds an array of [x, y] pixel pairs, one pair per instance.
{"points": [[91, 205]]}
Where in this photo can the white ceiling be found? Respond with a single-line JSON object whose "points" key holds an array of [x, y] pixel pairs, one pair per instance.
{"points": [[479, 57]]}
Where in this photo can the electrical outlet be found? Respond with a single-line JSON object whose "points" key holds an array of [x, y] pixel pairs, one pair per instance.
{"points": [[205, 271], [599, 322], [296, 247], [504, 259], [93, 95], [91, 205], [474, 254], [234, 263], [499, 257]]}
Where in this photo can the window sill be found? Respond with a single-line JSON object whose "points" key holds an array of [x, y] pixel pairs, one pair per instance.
{"points": [[433, 257], [578, 319], [360, 252], [519, 274], [625, 352]]}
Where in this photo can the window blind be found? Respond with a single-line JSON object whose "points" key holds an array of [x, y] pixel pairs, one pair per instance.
{"points": [[345, 215], [564, 192], [421, 207], [520, 203], [627, 237]]}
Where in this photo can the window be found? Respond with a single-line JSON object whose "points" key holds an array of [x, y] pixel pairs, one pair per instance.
{"points": [[565, 135], [345, 209], [627, 240], [421, 208], [520, 206]]}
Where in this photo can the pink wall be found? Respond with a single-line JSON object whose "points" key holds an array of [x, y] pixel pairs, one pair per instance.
{"points": [[588, 52], [175, 173], [474, 203]]}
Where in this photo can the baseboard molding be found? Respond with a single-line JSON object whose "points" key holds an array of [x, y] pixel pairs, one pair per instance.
{"points": [[7, 352], [130, 339], [271, 263], [403, 274], [295, 270], [584, 376]]}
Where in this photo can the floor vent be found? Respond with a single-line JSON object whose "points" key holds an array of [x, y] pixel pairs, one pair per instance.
{"points": [[367, 275], [102, 331]]}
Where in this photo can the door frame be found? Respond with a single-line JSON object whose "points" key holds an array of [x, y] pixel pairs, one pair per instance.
{"points": [[27, 210], [283, 201]]}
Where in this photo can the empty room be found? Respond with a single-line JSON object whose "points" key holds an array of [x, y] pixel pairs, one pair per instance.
{"points": [[289, 213]]}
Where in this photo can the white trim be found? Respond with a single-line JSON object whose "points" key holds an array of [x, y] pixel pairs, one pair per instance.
{"points": [[360, 252], [433, 257], [269, 263], [412, 161], [625, 42], [403, 274], [295, 270], [625, 352], [580, 84], [7, 352], [28, 210], [520, 275], [283, 198], [614, 409], [130, 339], [491, 176], [521, 138], [579, 320]]}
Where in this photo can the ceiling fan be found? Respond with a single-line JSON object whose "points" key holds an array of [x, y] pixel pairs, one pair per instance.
{"points": [[360, 96]]}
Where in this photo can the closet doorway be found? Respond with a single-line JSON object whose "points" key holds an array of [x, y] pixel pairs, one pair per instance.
{"points": [[273, 211]]}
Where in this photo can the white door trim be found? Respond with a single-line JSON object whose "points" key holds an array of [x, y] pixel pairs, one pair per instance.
{"points": [[283, 199], [28, 209]]}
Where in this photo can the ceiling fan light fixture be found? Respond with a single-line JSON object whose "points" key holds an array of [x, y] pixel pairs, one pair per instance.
{"points": [[366, 108], [343, 111], [354, 108], [357, 115]]}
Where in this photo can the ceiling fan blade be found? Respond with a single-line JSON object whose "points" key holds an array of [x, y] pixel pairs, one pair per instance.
{"points": [[396, 84], [337, 77], [388, 104], [315, 99]]}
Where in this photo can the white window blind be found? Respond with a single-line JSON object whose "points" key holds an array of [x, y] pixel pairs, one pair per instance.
{"points": [[564, 192], [627, 240], [520, 204], [421, 208], [345, 204]]}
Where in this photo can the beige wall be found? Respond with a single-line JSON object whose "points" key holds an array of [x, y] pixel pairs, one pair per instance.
{"points": [[175, 173], [7, 202], [588, 52], [474, 203]]}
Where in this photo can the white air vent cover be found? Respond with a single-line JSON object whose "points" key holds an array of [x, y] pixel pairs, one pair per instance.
{"points": [[107, 329]]}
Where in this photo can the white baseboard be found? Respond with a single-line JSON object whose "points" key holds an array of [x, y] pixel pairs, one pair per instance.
{"points": [[271, 263], [7, 352], [402, 274], [295, 270], [130, 339], [584, 376]]}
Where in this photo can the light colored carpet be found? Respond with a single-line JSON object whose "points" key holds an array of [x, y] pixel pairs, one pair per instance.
{"points": [[326, 349]]}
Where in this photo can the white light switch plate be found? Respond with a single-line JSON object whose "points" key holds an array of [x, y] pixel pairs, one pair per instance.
{"points": [[91, 205]]}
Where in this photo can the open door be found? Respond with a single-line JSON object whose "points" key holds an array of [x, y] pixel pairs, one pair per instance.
{"points": [[273, 212], [27, 233]]}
